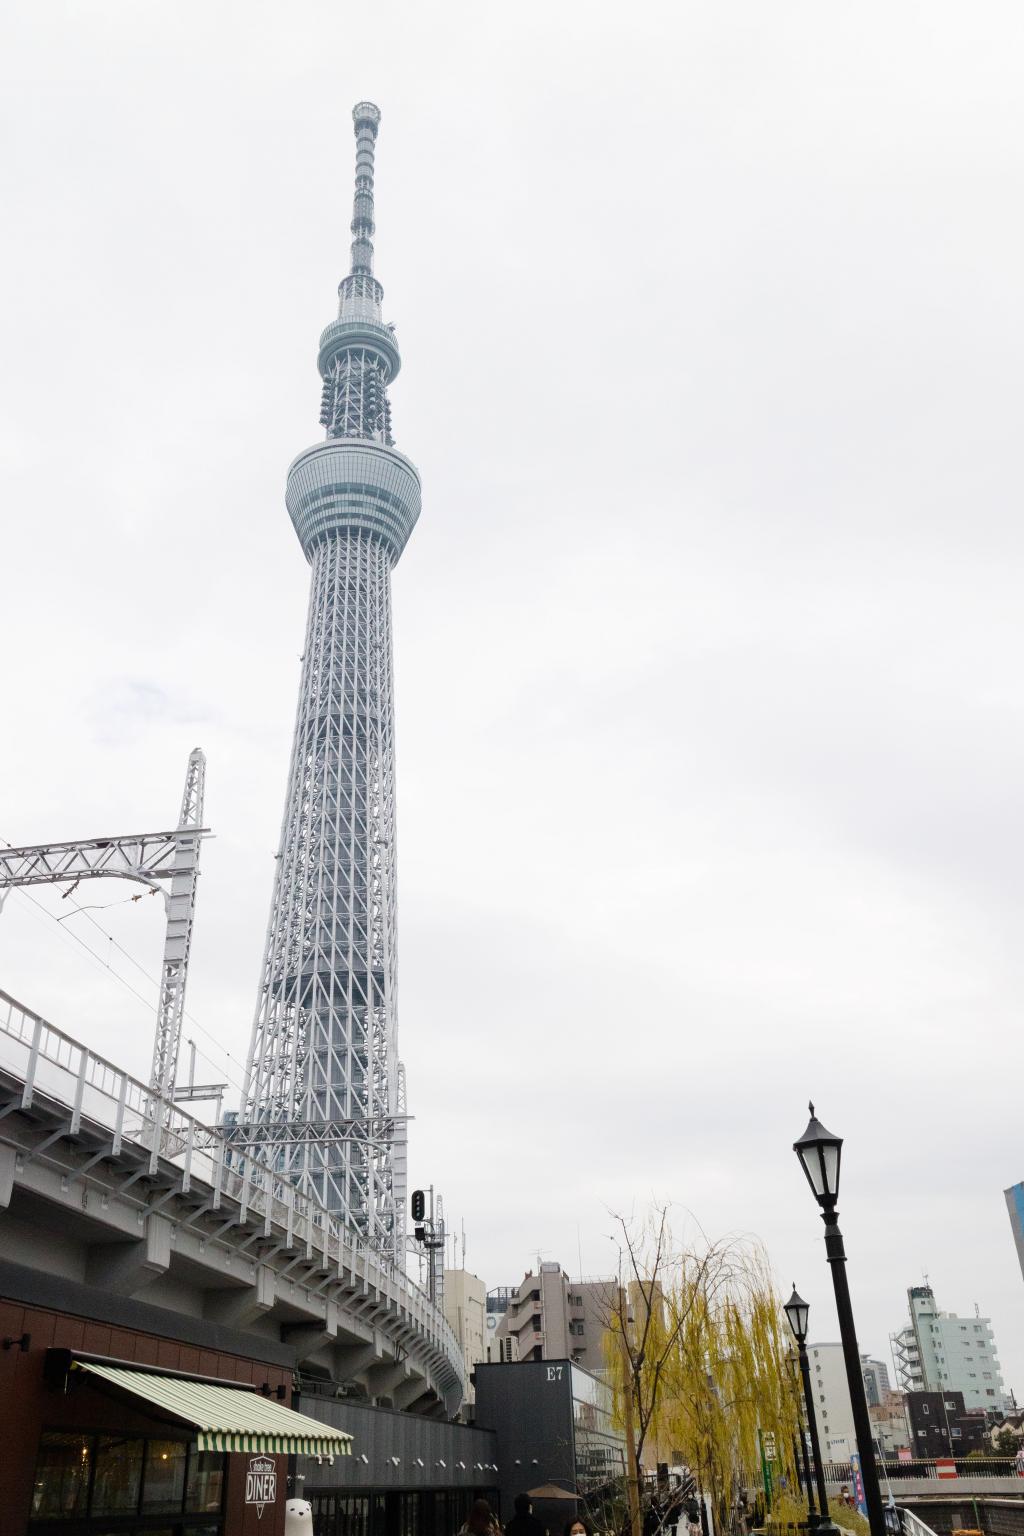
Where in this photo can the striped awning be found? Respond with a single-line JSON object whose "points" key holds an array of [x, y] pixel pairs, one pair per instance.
{"points": [[227, 1418]]}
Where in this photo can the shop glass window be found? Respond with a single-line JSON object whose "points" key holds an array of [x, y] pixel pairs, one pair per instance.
{"points": [[62, 1476], [164, 1483], [205, 1491], [410, 1514], [115, 1489]]}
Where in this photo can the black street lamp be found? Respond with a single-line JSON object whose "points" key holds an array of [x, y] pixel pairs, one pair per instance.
{"points": [[797, 1310], [793, 1371], [820, 1153]]}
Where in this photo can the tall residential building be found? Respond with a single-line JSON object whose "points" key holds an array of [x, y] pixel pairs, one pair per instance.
{"points": [[550, 1317], [1015, 1206], [943, 1352], [465, 1307], [324, 1095], [876, 1380]]}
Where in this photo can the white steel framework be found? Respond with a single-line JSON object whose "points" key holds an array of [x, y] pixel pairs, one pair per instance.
{"points": [[324, 1094], [164, 861]]}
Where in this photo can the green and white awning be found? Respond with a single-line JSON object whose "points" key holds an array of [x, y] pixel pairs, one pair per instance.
{"points": [[227, 1418]]}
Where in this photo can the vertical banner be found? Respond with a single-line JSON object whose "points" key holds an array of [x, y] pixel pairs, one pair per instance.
{"points": [[767, 1445], [858, 1483]]}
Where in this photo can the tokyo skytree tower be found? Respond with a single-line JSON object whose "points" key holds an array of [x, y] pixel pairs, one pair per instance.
{"points": [[324, 1095]]}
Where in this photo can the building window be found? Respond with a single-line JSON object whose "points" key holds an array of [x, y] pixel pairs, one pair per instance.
{"points": [[130, 1475], [62, 1476], [115, 1489], [951, 1407], [164, 1482]]}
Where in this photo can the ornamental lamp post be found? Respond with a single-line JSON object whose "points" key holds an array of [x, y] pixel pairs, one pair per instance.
{"points": [[793, 1372], [797, 1312], [820, 1153]]}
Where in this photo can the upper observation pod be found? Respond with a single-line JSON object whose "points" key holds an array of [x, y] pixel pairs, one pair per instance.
{"points": [[355, 480]]}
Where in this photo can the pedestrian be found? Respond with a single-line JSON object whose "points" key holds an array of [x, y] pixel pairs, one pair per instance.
{"points": [[524, 1522], [577, 1526], [654, 1518], [481, 1520]]}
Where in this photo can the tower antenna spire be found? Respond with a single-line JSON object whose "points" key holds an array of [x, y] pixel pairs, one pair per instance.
{"points": [[366, 118]]}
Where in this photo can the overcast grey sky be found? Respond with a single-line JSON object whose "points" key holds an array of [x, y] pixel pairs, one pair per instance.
{"points": [[710, 713]]}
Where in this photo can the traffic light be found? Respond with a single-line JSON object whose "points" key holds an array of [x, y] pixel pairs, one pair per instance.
{"points": [[419, 1205]]}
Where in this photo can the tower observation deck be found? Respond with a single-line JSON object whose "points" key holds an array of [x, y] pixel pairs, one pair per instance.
{"points": [[323, 1085]]}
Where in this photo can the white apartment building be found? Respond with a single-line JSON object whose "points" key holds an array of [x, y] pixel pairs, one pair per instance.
{"points": [[831, 1397], [832, 1408], [465, 1308], [941, 1351]]}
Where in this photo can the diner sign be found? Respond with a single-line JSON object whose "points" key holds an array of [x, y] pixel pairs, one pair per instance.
{"points": [[261, 1483]]}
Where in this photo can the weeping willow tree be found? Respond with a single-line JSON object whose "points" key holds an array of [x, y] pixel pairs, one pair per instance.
{"points": [[696, 1355]]}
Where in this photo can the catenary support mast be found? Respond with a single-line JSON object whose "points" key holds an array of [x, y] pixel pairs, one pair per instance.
{"points": [[324, 1046]]}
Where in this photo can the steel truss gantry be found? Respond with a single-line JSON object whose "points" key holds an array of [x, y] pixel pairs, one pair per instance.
{"points": [[164, 861]]}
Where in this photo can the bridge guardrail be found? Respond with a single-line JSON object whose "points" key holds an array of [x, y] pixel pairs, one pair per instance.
{"points": [[49, 1062]]}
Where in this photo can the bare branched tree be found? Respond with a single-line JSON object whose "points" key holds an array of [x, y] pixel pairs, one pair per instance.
{"points": [[695, 1351]]}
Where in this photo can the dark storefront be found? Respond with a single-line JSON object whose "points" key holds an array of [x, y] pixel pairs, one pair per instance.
{"points": [[431, 1471], [553, 1425], [83, 1458]]}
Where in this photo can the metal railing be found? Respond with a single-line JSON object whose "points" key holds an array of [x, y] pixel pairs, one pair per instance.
{"points": [[838, 1472], [913, 1525], [49, 1063]]}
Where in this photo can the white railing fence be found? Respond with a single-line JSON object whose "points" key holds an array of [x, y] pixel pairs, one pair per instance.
{"points": [[48, 1063]]}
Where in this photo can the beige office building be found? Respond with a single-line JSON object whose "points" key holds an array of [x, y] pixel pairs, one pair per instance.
{"points": [[465, 1307], [550, 1317]]}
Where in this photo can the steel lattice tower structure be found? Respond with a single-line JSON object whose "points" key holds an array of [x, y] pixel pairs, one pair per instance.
{"points": [[324, 1086]]}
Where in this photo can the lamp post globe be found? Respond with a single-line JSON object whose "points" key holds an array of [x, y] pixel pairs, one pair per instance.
{"points": [[820, 1154], [797, 1312]]}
